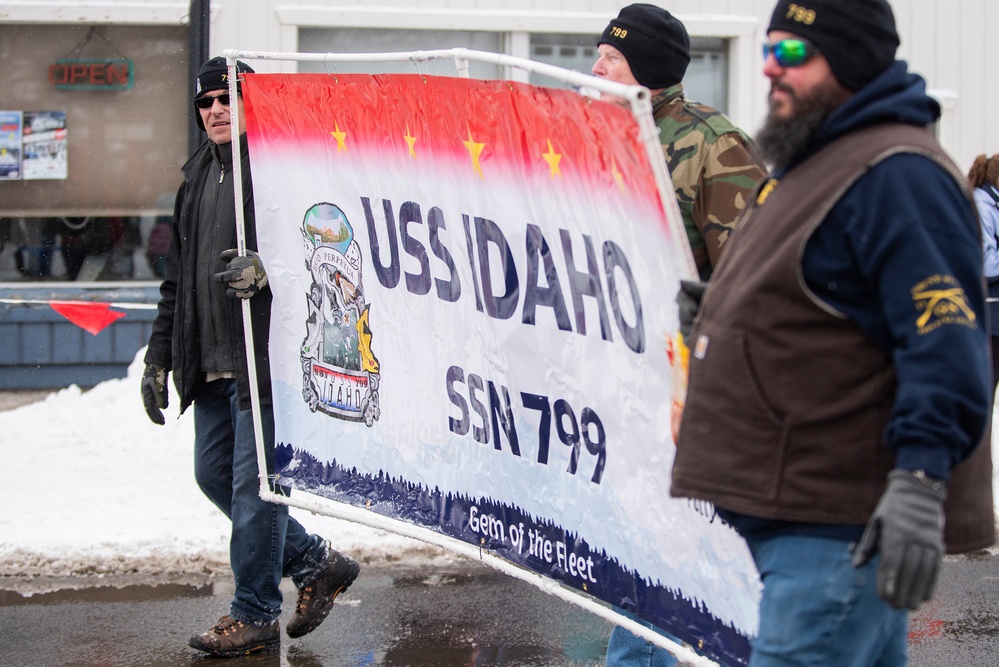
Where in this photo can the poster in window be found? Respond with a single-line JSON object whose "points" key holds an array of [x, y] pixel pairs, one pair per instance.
{"points": [[10, 145], [45, 145]]}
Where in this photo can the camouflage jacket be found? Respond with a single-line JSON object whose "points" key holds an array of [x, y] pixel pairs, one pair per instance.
{"points": [[713, 168]]}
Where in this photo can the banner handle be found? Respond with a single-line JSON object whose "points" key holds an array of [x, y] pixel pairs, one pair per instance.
{"points": [[251, 361]]}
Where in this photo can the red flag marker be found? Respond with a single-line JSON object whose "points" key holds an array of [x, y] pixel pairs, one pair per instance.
{"points": [[90, 316]]}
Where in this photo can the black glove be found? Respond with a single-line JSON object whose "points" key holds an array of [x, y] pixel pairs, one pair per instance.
{"points": [[688, 299], [907, 528], [154, 392], [244, 274]]}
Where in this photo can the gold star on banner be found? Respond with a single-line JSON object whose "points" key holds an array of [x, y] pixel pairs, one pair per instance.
{"points": [[552, 158], [475, 150], [341, 138], [618, 177], [410, 141]]}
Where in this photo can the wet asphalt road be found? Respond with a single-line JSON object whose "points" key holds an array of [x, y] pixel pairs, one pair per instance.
{"points": [[461, 614], [465, 614]]}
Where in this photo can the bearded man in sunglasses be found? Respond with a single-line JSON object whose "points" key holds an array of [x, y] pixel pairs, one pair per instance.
{"points": [[839, 377], [198, 334]]}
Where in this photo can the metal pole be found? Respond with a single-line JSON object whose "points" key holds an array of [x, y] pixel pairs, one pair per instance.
{"points": [[199, 20]]}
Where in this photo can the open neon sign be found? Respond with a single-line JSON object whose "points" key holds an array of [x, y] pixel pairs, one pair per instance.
{"points": [[91, 73]]}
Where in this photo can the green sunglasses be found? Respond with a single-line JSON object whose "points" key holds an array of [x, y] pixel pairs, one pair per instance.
{"points": [[790, 52]]}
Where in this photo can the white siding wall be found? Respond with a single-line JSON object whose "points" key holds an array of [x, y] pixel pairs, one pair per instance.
{"points": [[953, 44]]}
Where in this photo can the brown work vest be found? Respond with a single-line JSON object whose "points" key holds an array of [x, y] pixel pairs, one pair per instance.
{"points": [[788, 399]]}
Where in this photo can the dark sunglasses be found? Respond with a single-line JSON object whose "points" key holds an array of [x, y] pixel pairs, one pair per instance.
{"points": [[208, 102], [790, 52]]}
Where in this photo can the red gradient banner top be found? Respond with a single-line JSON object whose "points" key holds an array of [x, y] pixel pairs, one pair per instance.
{"points": [[401, 114]]}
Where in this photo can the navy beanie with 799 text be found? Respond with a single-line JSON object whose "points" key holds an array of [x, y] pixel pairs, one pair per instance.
{"points": [[857, 37], [655, 44], [214, 75]]}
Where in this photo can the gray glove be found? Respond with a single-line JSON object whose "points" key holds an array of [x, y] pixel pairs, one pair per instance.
{"points": [[907, 528], [244, 274], [154, 392], [688, 300]]}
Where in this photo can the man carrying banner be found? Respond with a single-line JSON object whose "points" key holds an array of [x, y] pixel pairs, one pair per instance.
{"points": [[839, 368], [711, 164], [198, 334], [710, 161]]}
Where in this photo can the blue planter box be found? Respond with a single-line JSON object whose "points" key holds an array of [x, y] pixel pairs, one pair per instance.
{"points": [[40, 349]]}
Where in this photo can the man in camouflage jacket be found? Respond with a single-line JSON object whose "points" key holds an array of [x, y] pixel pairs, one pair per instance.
{"points": [[710, 160], [713, 169]]}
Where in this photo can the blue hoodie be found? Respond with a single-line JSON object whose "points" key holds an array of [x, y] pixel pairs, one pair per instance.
{"points": [[900, 224]]}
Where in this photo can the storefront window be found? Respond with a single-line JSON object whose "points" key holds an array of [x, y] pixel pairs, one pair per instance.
{"points": [[87, 248], [94, 133]]}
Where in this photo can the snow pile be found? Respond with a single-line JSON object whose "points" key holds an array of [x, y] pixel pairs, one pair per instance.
{"points": [[94, 488]]}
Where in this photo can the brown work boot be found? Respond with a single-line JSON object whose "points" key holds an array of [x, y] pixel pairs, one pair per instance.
{"points": [[229, 638], [315, 599]]}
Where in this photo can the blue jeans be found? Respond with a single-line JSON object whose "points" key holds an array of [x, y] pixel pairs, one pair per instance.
{"points": [[817, 609], [265, 543], [628, 650]]}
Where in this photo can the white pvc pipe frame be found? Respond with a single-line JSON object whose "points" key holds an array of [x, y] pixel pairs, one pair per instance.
{"points": [[639, 99]]}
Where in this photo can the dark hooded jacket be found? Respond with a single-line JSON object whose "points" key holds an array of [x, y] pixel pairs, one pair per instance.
{"points": [[942, 408], [175, 342], [904, 219]]}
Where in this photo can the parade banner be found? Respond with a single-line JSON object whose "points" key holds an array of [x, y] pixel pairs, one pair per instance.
{"points": [[473, 307]]}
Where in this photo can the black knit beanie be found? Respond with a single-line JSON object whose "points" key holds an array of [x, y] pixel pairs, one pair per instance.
{"points": [[214, 75], [857, 37], [654, 43]]}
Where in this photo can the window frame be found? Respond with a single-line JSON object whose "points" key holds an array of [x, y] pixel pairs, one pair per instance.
{"points": [[741, 33]]}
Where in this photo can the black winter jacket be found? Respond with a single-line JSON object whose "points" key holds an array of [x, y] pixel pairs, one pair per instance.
{"points": [[174, 342]]}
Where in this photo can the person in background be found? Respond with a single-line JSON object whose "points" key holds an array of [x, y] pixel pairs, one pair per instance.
{"points": [[198, 335], [158, 245], [839, 367], [984, 178], [38, 240], [711, 164]]}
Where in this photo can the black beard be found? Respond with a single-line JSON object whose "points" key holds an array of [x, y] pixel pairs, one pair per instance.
{"points": [[781, 141]]}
